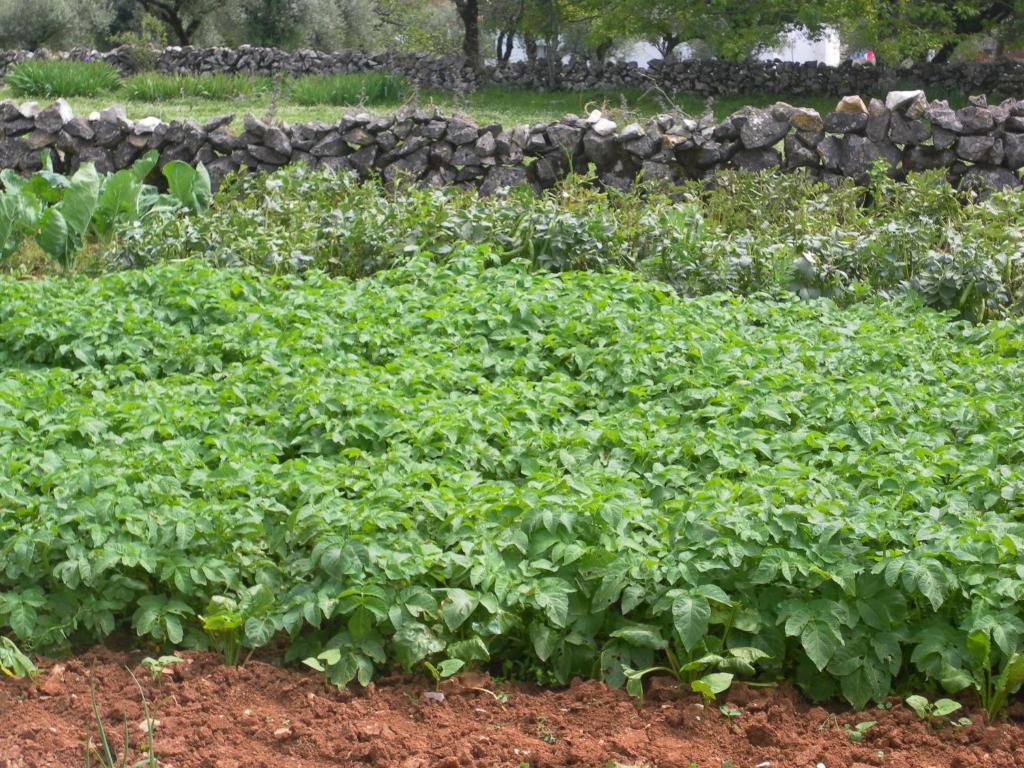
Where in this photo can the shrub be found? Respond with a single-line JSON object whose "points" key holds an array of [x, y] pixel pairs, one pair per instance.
{"points": [[349, 90], [750, 235], [57, 78], [154, 86]]}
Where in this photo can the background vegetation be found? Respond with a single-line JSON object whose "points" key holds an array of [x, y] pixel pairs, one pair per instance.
{"points": [[488, 28]]}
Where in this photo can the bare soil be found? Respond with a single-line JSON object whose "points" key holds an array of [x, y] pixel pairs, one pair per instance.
{"points": [[261, 716]]}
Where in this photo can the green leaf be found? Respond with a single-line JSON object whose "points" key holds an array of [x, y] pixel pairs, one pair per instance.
{"points": [[690, 616], [1011, 679], [641, 636], [53, 236], [920, 705], [80, 200], [711, 685], [945, 707], [819, 642], [449, 667], [457, 607]]}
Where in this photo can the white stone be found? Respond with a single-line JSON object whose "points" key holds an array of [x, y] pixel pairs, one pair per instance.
{"points": [[114, 114], [604, 127], [594, 117], [64, 109], [146, 124], [897, 99], [631, 131]]}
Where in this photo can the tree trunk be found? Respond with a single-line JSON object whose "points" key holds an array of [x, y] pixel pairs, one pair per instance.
{"points": [[469, 13], [530, 44], [666, 44], [169, 15], [505, 44]]}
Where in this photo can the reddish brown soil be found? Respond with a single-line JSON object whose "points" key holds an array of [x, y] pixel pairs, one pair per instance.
{"points": [[261, 716]]}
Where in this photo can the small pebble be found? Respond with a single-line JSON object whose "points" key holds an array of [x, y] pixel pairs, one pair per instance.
{"points": [[435, 696]]}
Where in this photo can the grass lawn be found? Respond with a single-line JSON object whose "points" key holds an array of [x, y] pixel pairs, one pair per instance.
{"points": [[492, 104]]}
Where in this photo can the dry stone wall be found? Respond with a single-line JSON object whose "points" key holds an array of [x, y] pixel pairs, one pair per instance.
{"points": [[705, 77], [980, 144]]}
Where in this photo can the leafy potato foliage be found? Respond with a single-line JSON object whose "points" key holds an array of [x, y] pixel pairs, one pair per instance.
{"points": [[552, 474]]}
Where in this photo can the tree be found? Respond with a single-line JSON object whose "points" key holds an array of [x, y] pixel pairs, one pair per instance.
{"points": [[899, 29], [182, 17], [730, 28], [469, 14]]}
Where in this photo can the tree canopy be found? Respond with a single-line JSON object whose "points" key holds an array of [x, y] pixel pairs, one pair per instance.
{"points": [[493, 29]]}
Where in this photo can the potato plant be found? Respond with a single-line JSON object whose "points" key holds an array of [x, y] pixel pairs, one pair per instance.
{"points": [[546, 475]]}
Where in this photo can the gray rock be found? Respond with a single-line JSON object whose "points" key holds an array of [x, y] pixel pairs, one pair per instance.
{"points": [[441, 153], [435, 129], [80, 129], [39, 139], [52, 119], [218, 122], [604, 127], [544, 172], [859, 154], [878, 121], [411, 166], [361, 161], [501, 179], [600, 150], [762, 130], [799, 155], [1013, 148], [108, 134], [708, 154], [461, 132], [265, 154], [756, 160], [941, 116], [830, 150], [976, 120], [331, 145], [643, 147], [727, 130], [276, 140], [565, 137], [927, 158], [807, 120], [657, 172], [943, 139], [255, 126], [810, 138], [486, 145], [986, 179], [465, 155], [358, 137], [631, 132], [903, 130], [99, 157], [846, 122], [975, 148]]}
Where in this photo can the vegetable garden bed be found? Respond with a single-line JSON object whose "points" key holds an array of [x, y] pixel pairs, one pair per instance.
{"points": [[461, 467]]}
